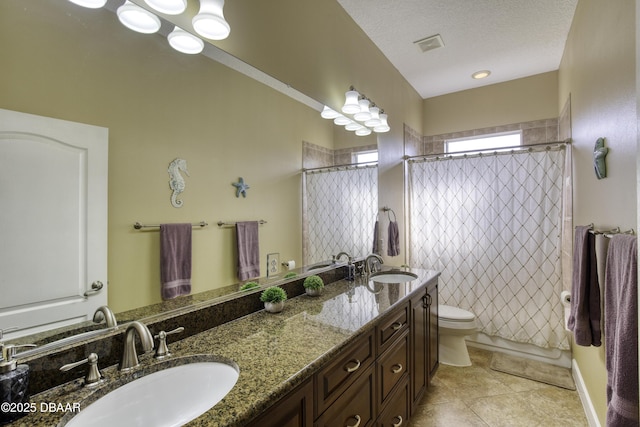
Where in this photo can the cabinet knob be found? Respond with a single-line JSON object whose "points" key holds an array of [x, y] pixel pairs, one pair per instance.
{"points": [[358, 420], [353, 368], [396, 369], [399, 423]]}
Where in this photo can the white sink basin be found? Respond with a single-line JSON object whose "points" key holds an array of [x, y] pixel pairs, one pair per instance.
{"points": [[393, 276], [170, 397]]}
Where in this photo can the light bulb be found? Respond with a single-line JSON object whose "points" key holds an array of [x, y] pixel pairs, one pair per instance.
{"points": [[138, 19], [210, 22]]}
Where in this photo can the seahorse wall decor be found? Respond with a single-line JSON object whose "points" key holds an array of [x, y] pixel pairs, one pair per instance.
{"points": [[176, 181]]}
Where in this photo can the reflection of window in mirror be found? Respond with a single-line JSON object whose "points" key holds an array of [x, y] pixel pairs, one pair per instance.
{"points": [[365, 157], [483, 142]]}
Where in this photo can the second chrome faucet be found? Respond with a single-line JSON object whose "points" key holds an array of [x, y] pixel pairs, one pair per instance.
{"points": [[129, 355]]}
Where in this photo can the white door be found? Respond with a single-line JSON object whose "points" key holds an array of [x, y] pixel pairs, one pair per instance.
{"points": [[53, 221]]}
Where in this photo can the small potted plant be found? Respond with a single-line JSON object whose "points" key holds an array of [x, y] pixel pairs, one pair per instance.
{"points": [[313, 285], [273, 298], [249, 285]]}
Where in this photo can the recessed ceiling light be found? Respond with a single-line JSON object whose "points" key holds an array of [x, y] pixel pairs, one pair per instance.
{"points": [[481, 74]]}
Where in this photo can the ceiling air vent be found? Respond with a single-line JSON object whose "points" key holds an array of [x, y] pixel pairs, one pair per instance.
{"points": [[430, 43]]}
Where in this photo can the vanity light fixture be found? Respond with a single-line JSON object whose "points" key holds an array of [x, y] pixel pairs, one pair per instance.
{"points": [[138, 19], [365, 111], [168, 7], [210, 22], [363, 115], [351, 105], [91, 4], [481, 74], [185, 42]]}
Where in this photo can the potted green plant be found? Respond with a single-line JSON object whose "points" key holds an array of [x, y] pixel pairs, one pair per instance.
{"points": [[313, 285], [290, 275], [249, 285], [273, 298]]}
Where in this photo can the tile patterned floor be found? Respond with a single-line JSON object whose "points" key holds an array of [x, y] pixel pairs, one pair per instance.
{"points": [[479, 396]]}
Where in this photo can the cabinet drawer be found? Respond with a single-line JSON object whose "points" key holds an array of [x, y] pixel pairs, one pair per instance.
{"points": [[392, 367], [392, 327], [356, 407], [334, 378], [397, 412]]}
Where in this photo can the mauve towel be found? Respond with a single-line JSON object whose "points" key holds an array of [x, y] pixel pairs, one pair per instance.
{"points": [[248, 250], [175, 260], [584, 319], [621, 331], [393, 244], [376, 248]]}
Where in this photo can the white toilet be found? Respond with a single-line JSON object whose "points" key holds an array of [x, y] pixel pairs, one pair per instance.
{"points": [[453, 325]]}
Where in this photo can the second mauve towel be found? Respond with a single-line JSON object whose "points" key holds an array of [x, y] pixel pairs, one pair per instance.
{"points": [[248, 250]]}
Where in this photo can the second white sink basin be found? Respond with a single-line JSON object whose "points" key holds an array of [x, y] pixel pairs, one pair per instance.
{"points": [[393, 276], [169, 397]]}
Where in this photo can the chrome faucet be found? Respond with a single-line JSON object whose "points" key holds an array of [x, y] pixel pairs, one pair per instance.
{"points": [[337, 257], [129, 355], [105, 313], [369, 266]]}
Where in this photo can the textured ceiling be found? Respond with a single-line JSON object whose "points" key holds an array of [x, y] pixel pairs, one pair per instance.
{"points": [[511, 38]]}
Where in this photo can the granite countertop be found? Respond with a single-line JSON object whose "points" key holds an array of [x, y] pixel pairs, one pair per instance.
{"points": [[274, 352]]}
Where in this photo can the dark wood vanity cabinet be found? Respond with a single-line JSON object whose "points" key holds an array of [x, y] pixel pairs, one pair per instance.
{"points": [[377, 380]]}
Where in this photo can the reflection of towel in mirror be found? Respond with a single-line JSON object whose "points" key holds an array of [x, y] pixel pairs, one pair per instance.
{"points": [[248, 250], [393, 244], [376, 248], [621, 331], [175, 260]]}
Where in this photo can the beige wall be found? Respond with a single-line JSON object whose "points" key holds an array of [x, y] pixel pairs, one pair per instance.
{"points": [[522, 100], [598, 72]]}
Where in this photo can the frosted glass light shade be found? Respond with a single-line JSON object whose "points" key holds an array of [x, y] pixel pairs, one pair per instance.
{"points": [[138, 19], [91, 4], [342, 120], [185, 42], [351, 105], [363, 114], [168, 7], [375, 117], [352, 126], [329, 113], [363, 131], [210, 22], [383, 126]]}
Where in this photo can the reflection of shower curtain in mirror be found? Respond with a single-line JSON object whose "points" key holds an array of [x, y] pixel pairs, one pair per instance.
{"points": [[340, 206], [492, 225]]}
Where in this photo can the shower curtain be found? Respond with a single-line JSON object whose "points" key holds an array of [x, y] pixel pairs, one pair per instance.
{"points": [[491, 223], [339, 210]]}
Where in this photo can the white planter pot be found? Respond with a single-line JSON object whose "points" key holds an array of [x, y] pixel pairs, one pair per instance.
{"points": [[274, 307], [313, 292]]}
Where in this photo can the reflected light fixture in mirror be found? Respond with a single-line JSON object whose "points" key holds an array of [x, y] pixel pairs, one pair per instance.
{"points": [[168, 7], [91, 4], [210, 22], [328, 113], [363, 131], [342, 120], [138, 19], [185, 42]]}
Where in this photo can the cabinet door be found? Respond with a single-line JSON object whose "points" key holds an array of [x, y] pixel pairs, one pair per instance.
{"points": [[293, 410], [396, 413], [355, 407], [419, 340], [392, 367], [432, 319], [391, 328]]}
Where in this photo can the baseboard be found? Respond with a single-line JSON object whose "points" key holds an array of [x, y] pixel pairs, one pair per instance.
{"points": [[589, 410]]}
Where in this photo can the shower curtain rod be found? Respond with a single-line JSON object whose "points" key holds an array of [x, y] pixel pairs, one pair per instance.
{"points": [[338, 167], [504, 150]]}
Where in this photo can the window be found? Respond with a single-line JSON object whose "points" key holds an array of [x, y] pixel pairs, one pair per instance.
{"points": [[365, 157], [484, 142]]}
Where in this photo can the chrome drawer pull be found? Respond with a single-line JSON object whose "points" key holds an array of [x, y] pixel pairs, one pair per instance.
{"points": [[399, 423], [396, 368], [397, 325], [358, 420], [355, 368]]}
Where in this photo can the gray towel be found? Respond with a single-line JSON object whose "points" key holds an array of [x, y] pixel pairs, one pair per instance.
{"points": [[393, 244], [248, 250], [584, 319], [175, 260], [621, 331], [376, 247]]}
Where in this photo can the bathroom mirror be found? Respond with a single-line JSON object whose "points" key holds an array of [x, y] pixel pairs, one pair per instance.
{"points": [[274, 59]]}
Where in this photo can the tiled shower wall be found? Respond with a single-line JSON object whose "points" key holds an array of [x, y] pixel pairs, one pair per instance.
{"points": [[535, 132], [315, 156]]}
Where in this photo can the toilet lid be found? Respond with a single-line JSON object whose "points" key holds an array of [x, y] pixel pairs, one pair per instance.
{"points": [[454, 313]]}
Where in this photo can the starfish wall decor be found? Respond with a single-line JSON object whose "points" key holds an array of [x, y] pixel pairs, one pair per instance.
{"points": [[241, 187]]}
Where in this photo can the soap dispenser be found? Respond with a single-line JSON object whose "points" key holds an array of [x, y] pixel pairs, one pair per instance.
{"points": [[14, 381]]}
